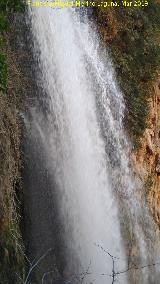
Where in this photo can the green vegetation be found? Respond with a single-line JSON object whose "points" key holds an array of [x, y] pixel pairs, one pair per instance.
{"points": [[11, 247], [132, 33], [7, 8], [3, 72], [148, 184]]}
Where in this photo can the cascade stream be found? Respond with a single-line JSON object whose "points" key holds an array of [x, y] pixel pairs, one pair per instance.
{"points": [[81, 195]]}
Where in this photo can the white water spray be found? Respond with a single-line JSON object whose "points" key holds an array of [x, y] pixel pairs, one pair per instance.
{"points": [[83, 140]]}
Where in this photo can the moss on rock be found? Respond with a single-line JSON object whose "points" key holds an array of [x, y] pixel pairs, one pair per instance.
{"points": [[131, 33], [11, 245]]}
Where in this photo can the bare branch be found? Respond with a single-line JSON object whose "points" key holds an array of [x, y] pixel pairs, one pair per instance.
{"points": [[47, 273], [35, 264]]}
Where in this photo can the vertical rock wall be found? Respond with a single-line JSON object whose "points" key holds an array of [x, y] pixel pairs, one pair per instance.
{"points": [[147, 158]]}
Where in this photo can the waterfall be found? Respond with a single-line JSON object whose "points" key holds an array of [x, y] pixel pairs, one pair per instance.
{"points": [[77, 120]]}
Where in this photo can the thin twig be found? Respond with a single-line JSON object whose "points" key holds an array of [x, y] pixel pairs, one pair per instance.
{"points": [[33, 266]]}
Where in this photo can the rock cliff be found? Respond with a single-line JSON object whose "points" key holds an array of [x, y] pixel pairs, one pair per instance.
{"points": [[147, 157]]}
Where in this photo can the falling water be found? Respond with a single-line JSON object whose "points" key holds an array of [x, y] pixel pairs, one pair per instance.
{"points": [[79, 123]]}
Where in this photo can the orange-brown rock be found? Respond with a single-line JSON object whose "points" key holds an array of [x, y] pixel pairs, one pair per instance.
{"points": [[147, 158]]}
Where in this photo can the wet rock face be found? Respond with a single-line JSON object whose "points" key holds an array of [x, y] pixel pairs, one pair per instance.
{"points": [[158, 166], [147, 158]]}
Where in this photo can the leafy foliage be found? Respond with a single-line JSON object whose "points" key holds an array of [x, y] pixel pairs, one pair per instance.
{"points": [[7, 8], [11, 6]]}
